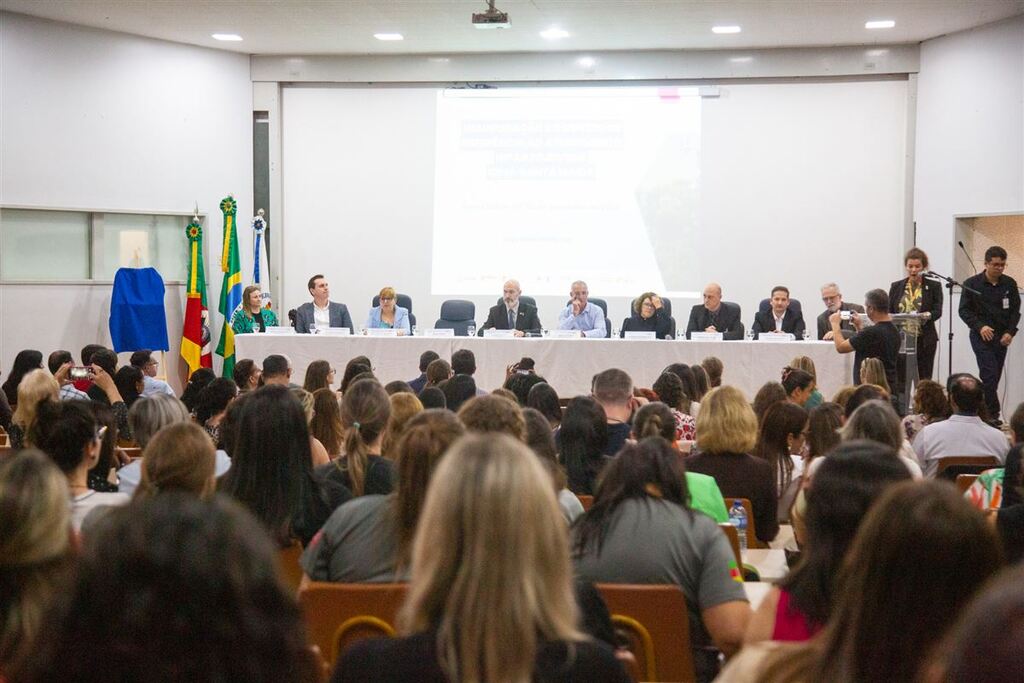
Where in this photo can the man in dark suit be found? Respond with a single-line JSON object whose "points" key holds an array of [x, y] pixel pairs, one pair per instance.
{"points": [[321, 311], [833, 300], [779, 318], [715, 315], [511, 313]]}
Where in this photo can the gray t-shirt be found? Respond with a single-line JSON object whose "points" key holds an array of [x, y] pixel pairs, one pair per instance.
{"points": [[358, 544], [652, 541]]}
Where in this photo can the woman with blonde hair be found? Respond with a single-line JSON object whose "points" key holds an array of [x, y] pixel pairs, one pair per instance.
{"points": [[726, 434], [180, 457], [252, 316], [404, 406], [365, 410], [37, 386], [35, 549], [479, 610], [387, 314], [872, 371], [319, 452]]}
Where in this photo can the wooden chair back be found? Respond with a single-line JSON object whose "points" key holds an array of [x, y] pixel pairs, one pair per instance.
{"points": [[752, 541], [289, 567], [964, 482], [733, 535], [339, 614], [585, 501], [655, 622], [952, 466]]}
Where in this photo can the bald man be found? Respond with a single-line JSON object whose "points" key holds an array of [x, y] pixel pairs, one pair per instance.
{"points": [[511, 313], [715, 315]]}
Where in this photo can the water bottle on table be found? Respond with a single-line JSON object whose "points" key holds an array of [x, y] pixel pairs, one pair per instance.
{"points": [[738, 518]]}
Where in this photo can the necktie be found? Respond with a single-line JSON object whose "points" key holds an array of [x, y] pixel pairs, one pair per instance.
{"points": [[511, 319]]}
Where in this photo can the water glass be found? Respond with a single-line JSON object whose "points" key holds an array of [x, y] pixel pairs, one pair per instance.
{"points": [[471, 330]]}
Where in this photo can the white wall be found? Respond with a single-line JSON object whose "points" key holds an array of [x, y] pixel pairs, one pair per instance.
{"points": [[107, 121], [970, 156], [795, 178]]}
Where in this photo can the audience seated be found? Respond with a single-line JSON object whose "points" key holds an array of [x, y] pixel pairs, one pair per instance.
{"points": [[397, 386], [1010, 518], [963, 433], [458, 390], [780, 442], [876, 420], [36, 552], [69, 433], [212, 403], [464, 363], [987, 490], [355, 367], [130, 384], [196, 383], [493, 415], [641, 529], [426, 358], [798, 385], [180, 457], [471, 598], [691, 391], [986, 644], [936, 552], [147, 364], [613, 390], [37, 387], [217, 612], [930, 405], [438, 371], [103, 475], [715, 368], [806, 364], [849, 480], [317, 450], [432, 397], [272, 471], [107, 360], [369, 539], [657, 420], [319, 375], [823, 424], [728, 433], [768, 395], [543, 397], [326, 425], [541, 441], [365, 410], [582, 442], [669, 389], [700, 377], [68, 391], [25, 362], [404, 406], [872, 371]]}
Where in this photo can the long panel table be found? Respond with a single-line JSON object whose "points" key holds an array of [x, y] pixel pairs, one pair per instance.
{"points": [[567, 364]]}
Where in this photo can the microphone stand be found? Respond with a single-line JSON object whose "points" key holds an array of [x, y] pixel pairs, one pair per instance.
{"points": [[950, 284]]}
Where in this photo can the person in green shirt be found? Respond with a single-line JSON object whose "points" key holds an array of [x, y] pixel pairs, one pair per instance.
{"points": [[656, 419], [252, 317]]}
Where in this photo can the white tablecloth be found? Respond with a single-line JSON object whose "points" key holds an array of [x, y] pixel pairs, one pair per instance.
{"points": [[567, 364]]}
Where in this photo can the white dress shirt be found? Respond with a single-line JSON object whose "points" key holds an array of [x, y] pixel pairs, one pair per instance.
{"points": [[960, 435], [322, 316]]}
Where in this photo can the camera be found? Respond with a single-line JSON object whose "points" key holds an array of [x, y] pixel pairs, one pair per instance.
{"points": [[80, 372], [845, 315]]}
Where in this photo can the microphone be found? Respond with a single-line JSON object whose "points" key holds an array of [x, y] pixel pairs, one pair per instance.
{"points": [[968, 255]]}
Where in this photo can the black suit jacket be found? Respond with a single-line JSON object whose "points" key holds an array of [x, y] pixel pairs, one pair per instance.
{"points": [[526, 319], [728, 320], [931, 302], [846, 326], [792, 323]]}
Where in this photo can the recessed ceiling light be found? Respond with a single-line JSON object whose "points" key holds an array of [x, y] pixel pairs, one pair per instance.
{"points": [[389, 36], [885, 23], [726, 29], [227, 36], [586, 62], [741, 60], [554, 33]]}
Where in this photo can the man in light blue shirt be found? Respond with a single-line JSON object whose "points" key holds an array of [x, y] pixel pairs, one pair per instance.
{"points": [[145, 361], [582, 315]]}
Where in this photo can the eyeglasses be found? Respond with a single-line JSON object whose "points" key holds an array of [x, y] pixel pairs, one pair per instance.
{"points": [[387, 298]]}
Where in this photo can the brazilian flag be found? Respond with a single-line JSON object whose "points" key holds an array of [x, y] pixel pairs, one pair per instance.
{"points": [[231, 289]]}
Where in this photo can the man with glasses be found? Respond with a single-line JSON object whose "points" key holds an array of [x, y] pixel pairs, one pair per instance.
{"points": [[511, 313], [144, 361], [990, 305], [833, 300]]}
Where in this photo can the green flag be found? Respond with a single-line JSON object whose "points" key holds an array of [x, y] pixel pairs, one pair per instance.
{"points": [[231, 289]]}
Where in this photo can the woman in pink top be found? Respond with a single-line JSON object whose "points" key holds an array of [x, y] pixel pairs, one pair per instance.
{"points": [[852, 476]]}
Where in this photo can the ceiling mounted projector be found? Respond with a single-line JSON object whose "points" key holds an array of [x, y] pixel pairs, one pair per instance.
{"points": [[492, 18]]}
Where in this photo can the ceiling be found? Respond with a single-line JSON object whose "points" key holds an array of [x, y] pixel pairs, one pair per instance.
{"points": [[443, 26]]}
